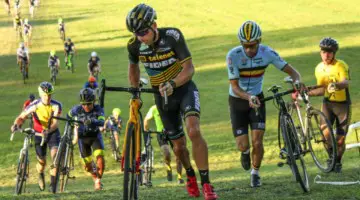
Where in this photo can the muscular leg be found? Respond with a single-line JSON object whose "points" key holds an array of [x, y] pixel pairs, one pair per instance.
{"points": [[100, 163], [258, 148], [181, 151], [340, 146], [178, 167], [166, 153], [116, 137], [242, 142], [199, 146]]}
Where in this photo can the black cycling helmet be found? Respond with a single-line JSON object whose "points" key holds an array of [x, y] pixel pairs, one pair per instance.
{"points": [[329, 44], [140, 18], [32, 97], [68, 39], [87, 95]]}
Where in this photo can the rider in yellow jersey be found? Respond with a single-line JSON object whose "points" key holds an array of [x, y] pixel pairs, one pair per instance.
{"points": [[41, 110], [333, 75]]}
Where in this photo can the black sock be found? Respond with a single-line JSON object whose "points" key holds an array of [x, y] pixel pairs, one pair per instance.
{"points": [[52, 180], [190, 172], [204, 174]]}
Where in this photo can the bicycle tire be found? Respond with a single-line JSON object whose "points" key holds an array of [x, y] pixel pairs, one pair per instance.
{"points": [[318, 143], [130, 165], [58, 164], [64, 173], [113, 147], [149, 164], [21, 173], [292, 144]]}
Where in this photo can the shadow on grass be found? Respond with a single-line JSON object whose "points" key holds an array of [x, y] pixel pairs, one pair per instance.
{"points": [[40, 22]]}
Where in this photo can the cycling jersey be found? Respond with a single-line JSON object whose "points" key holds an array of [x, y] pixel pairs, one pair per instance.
{"points": [[96, 116], [250, 71], [22, 53], [69, 48], [42, 113], [27, 28], [26, 104], [53, 60], [162, 60], [88, 85], [112, 123], [61, 27], [18, 22], [333, 73], [154, 113]]}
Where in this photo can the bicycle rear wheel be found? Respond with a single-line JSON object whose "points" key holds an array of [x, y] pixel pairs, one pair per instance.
{"points": [[321, 140], [114, 149], [149, 165], [130, 178], [21, 173], [294, 152]]}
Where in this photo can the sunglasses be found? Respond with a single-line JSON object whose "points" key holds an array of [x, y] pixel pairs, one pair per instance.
{"points": [[86, 104], [142, 33]]}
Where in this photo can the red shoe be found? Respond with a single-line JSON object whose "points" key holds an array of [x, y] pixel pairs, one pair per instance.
{"points": [[208, 192], [192, 187]]}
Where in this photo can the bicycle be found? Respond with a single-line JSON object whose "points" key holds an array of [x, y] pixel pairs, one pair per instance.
{"points": [[62, 34], [131, 158], [22, 65], [64, 159], [114, 149], [19, 34], [311, 133], [69, 62], [148, 159], [22, 172], [53, 73], [292, 150]]}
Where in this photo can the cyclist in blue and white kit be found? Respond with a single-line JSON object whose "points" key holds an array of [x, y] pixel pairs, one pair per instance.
{"points": [[246, 67]]}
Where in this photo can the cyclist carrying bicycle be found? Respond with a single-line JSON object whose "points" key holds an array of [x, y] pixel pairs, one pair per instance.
{"points": [[32, 7], [54, 61], [61, 27], [91, 83], [23, 55], [41, 110], [246, 67], [113, 123], [90, 138], [17, 22], [333, 75], [27, 29], [94, 65], [69, 50], [164, 142], [168, 62]]}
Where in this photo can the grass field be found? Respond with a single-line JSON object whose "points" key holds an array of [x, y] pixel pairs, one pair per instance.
{"points": [[292, 28]]}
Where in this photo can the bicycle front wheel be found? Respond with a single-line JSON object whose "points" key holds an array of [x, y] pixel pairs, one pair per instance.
{"points": [[321, 140], [149, 165], [130, 177], [21, 173], [59, 160], [294, 152], [65, 168]]}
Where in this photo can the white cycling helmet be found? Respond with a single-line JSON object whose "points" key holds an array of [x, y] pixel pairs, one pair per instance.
{"points": [[93, 54], [21, 45], [249, 32], [26, 21]]}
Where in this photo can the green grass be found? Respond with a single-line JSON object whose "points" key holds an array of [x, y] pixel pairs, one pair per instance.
{"points": [[293, 28]]}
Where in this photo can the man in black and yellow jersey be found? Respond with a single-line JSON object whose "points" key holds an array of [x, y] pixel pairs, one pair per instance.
{"points": [[333, 75], [167, 60]]}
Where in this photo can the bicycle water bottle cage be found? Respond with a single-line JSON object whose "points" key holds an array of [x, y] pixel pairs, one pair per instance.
{"points": [[274, 88]]}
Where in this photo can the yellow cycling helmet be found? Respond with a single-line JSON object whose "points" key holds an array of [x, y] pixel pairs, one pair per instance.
{"points": [[116, 112], [60, 20], [52, 53]]}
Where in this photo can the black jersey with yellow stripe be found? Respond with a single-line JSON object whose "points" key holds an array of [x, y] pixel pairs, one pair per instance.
{"points": [[162, 60]]}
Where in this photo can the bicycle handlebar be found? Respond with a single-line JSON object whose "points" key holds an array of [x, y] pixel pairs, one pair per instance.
{"points": [[278, 95], [153, 132], [66, 119], [29, 131]]}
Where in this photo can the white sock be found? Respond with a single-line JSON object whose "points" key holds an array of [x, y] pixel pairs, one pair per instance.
{"points": [[255, 171], [246, 152]]}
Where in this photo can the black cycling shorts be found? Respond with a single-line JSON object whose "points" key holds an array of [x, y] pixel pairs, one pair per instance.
{"points": [[184, 102], [89, 144], [340, 113], [52, 141], [242, 116], [163, 140]]}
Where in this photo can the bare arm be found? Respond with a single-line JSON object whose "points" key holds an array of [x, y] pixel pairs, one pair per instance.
{"points": [[134, 75], [186, 73], [295, 75], [238, 91], [343, 84], [146, 124]]}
